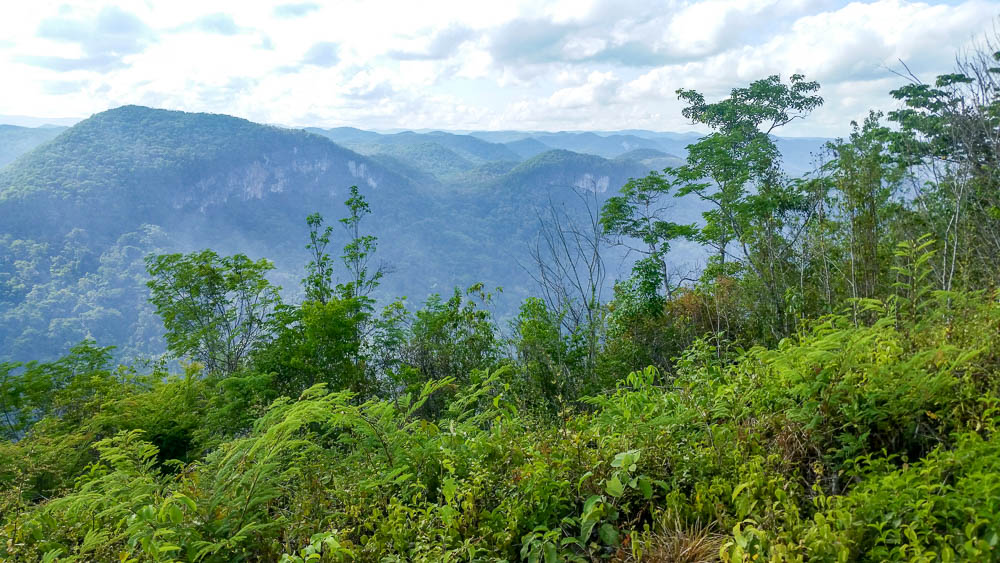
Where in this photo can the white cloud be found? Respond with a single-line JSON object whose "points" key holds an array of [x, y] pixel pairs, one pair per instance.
{"points": [[599, 89], [567, 64]]}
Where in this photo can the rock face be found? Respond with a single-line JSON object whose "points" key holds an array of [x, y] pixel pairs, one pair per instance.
{"points": [[268, 177]]}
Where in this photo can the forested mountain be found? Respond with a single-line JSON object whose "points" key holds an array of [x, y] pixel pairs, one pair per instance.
{"points": [[472, 148], [82, 211], [528, 147], [15, 141], [133, 165]]}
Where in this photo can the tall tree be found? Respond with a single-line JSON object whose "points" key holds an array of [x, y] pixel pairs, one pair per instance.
{"points": [[317, 344], [865, 180], [216, 309], [637, 219], [452, 338], [737, 169], [569, 270], [950, 136], [359, 250], [318, 282]]}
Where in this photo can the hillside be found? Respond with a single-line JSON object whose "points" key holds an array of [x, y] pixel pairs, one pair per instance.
{"points": [[465, 146], [82, 211], [429, 157], [133, 165], [15, 141], [569, 169], [528, 147], [798, 153]]}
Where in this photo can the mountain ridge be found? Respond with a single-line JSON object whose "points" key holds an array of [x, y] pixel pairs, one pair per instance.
{"points": [[16, 140], [82, 210]]}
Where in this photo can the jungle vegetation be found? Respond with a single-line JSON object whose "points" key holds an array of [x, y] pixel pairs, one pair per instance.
{"points": [[827, 388]]}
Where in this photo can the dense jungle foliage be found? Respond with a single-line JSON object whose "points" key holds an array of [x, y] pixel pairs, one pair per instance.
{"points": [[828, 389]]}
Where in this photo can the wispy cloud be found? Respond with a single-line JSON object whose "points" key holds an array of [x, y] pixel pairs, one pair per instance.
{"points": [[295, 10], [566, 64], [441, 45], [104, 40], [222, 24], [323, 54]]}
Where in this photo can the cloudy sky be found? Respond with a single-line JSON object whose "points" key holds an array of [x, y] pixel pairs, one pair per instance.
{"points": [[561, 65]]}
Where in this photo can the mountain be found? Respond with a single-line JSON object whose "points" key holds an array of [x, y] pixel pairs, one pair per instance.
{"points": [[641, 154], [131, 166], [571, 170], [651, 158], [79, 213], [346, 135], [15, 141], [468, 147], [608, 146], [605, 144], [558, 176], [40, 122], [799, 153], [528, 147], [408, 170], [484, 174], [81, 210], [471, 147], [428, 157], [555, 176]]}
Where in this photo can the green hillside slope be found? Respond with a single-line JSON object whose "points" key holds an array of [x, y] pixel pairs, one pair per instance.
{"points": [[15, 141]]}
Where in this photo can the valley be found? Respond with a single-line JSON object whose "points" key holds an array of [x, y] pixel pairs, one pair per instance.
{"points": [[84, 206]]}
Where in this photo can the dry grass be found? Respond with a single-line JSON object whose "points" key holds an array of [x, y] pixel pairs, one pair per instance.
{"points": [[673, 541]]}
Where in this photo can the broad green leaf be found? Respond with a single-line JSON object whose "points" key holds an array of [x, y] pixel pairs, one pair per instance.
{"points": [[608, 534], [614, 486]]}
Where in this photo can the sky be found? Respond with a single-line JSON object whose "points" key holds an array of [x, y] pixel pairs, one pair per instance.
{"points": [[461, 65]]}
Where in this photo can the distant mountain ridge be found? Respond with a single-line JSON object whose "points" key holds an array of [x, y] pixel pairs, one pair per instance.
{"points": [[15, 140], [82, 207], [478, 147], [133, 165], [80, 211]]}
